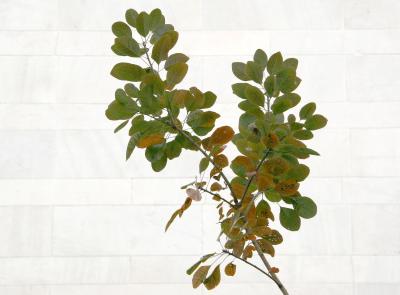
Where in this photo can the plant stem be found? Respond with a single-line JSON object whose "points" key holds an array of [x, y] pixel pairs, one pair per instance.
{"points": [[217, 195], [273, 276], [252, 177], [207, 156], [249, 263], [147, 56]]}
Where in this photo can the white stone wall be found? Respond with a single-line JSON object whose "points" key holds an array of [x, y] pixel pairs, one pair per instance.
{"points": [[76, 219]]}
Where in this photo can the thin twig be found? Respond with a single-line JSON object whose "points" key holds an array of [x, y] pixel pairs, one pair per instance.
{"points": [[252, 177], [217, 195], [273, 276], [249, 263]]}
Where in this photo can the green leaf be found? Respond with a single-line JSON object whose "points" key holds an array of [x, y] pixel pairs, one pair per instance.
{"points": [[254, 71], [120, 126], [163, 46], [291, 63], [193, 268], [307, 110], [173, 149], [273, 196], [131, 145], [260, 57], [126, 46], [303, 134], [298, 173], [131, 90], [143, 23], [175, 59], [121, 29], [203, 164], [156, 19], [239, 70], [160, 164], [270, 86], [286, 80], [305, 207], [176, 73], [285, 102], [239, 89], [130, 16], [127, 72], [118, 111], [195, 100], [275, 63], [209, 100], [160, 31], [122, 98], [289, 219], [200, 275], [254, 95], [214, 279], [197, 264], [202, 122], [315, 122], [155, 152]]}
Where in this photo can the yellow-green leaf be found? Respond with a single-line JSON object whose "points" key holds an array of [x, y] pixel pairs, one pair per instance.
{"points": [[230, 269], [128, 72], [254, 95], [164, 45], [203, 164], [200, 275], [214, 279], [315, 122], [176, 73], [172, 218]]}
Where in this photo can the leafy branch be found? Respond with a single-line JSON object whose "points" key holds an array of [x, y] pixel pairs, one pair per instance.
{"points": [[166, 120]]}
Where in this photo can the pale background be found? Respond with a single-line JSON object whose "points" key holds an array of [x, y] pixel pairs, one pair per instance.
{"points": [[75, 219]]}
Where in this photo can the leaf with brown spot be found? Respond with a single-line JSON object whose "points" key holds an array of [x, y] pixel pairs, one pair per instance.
{"points": [[221, 160], [287, 187], [215, 171], [270, 140], [242, 165], [274, 237], [264, 182], [266, 247], [275, 166], [262, 231]]}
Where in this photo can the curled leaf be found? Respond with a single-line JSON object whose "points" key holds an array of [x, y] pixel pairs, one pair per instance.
{"points": [[194, 194]]}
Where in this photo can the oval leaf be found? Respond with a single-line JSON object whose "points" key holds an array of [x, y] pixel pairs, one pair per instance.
{"points": [[289, 219], [315, 122], [176, 73], [127, 72], [200, 275], [305, 207]]}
